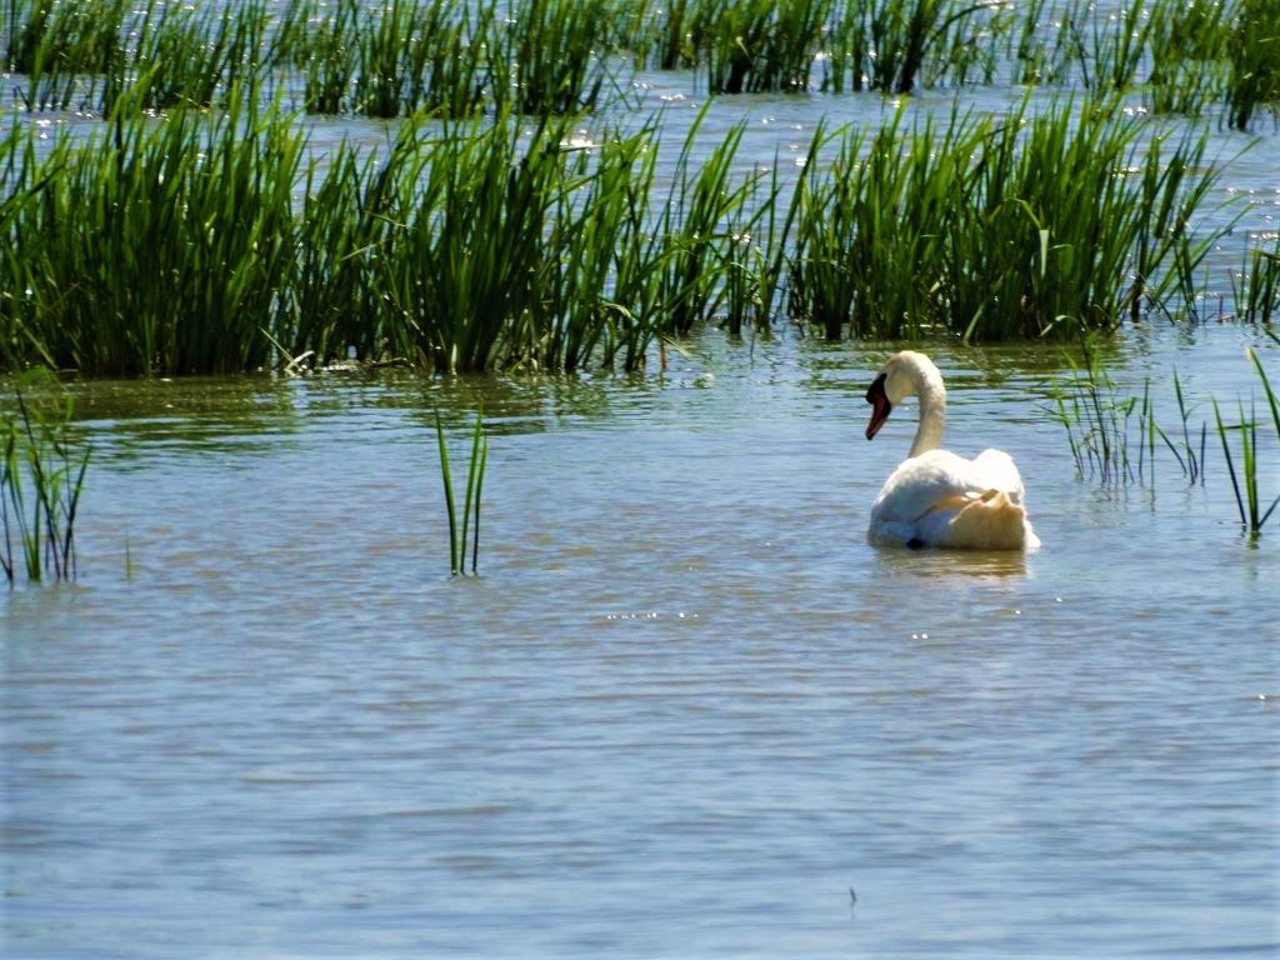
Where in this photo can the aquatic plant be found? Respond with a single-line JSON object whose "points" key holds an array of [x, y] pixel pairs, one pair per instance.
{"points": [[186, 55], [458, 534], [58, 45], [1254, 77], [1188, 50], [1097, 420], [899, 45], [155, 247], [322, 42], [1256, 289], [696, 230], [41, 482], [1249, 502], [558, 51], [955, 227], [753, 46]]}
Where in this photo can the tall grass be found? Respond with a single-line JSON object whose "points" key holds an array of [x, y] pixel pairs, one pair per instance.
{"points": [[160, 246], [754, 46], [188, 55], [1257, 294], [41, 480], [960, 229], [1111, 436], [559, 49], [391, 57], [1254, 48]]}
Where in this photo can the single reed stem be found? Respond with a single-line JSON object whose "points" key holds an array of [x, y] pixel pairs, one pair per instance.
{"points": [[458, 536]]}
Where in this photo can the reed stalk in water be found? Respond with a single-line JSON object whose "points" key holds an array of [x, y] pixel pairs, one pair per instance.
{"points": [[1249, 502], [458, 534], [42, 478]]}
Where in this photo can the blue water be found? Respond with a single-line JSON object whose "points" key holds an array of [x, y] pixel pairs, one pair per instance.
{"points": [[685, 711]]}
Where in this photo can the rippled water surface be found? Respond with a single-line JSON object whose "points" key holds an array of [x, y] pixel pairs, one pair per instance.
{"points": [[684, 711]]}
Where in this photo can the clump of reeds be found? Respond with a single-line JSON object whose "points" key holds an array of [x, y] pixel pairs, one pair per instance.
{"points": [[754, 46], [158, 246], [558, 50], [1249, 501], [1098, 422], [470, 525], [40, 484], [998, 229], [1114, 437], [188, 55], [1256, 289], [1255, 64]]}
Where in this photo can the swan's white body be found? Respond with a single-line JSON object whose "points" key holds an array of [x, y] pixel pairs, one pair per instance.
{"points": [[936, 498]]}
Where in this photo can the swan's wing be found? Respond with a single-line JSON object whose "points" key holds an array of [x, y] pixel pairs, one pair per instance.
{"points": [[996, 469], [940, 499], [941, 478]]}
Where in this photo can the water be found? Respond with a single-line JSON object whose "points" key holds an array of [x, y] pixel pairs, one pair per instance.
{"points": [[684, 711]]}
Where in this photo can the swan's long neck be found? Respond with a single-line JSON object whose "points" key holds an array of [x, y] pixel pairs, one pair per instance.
{"points": [[933, 411]]}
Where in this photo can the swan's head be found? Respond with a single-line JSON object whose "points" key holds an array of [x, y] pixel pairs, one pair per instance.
{"points": [[903, 375]]}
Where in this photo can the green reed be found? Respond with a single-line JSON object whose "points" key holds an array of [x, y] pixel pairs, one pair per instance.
{"points": [[1190, 456], [60, 47], [41, 482], [395, 56], [696, 232], [322, 41], [1255, 64], [188, 55], [1099, 422], [1188, 49], [755, 46], [558, 50], [957, 228], [1256, 290], [158, 246], [1249, 501], [458, 533], [1115, 437]]}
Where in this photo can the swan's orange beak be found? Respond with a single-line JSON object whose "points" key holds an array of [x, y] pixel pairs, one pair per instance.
{"points": [[880, 406]]}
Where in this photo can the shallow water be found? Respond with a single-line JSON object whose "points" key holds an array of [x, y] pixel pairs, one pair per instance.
{"points": [[684, 711]]}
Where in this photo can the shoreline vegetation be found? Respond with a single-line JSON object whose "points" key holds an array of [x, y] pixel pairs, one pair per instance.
{"points": [[516, 219]]}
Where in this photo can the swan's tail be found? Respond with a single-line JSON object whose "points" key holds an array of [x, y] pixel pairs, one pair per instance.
{"points": [[992, 522]]}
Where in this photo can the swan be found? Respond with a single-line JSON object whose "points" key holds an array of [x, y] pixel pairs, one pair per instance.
{"points": [[936, 498]]}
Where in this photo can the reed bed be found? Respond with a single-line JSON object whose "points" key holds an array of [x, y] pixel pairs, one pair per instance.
{"points": [[507, 225], [213, 241], [391, 58], [956, 229]]}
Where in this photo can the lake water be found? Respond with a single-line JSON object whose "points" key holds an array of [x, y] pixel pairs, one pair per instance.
{"points": [[684, 711]]}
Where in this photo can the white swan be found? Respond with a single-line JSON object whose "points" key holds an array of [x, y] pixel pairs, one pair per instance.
{"points": [[936, 498]]}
